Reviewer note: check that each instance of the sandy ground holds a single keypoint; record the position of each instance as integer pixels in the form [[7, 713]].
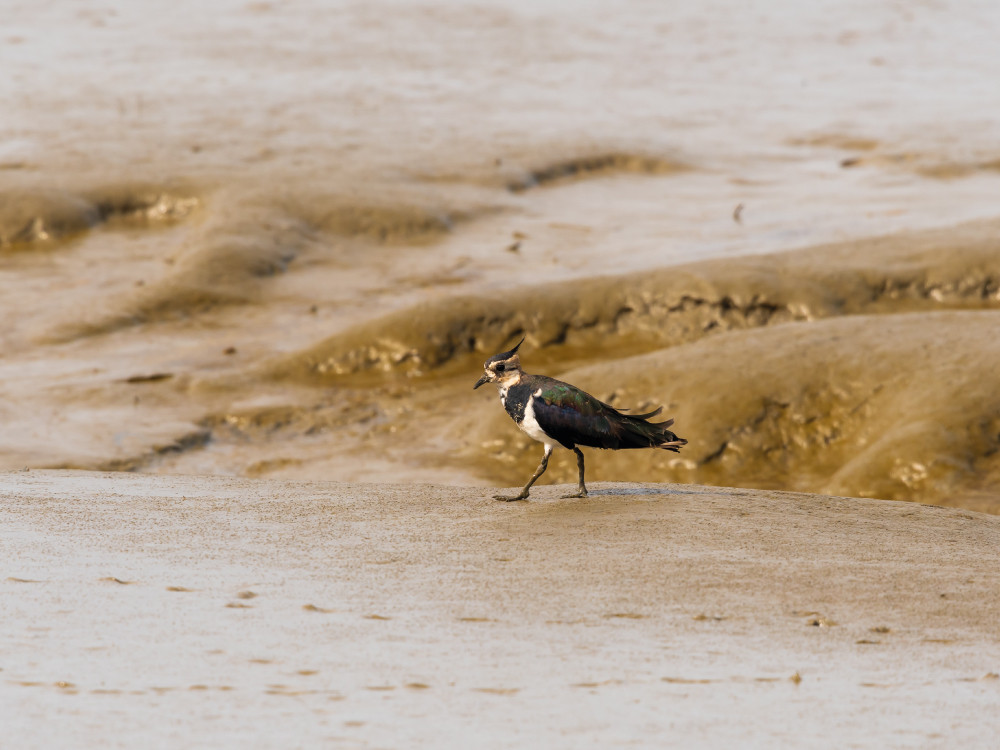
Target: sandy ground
[[276, 240], [155, 611]]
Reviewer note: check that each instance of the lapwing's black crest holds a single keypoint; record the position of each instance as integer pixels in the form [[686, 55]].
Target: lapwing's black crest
[[551, 412]]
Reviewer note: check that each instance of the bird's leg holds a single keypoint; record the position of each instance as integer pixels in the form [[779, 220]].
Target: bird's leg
[[523, 495], [582, 491]]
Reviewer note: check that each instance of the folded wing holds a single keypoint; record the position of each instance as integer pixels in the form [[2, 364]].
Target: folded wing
[[574, 417]]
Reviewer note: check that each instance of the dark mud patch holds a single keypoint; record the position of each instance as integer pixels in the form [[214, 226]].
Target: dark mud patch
[[27, 220], [140, 206], [925, 166], [405, 225], [909, 160], [192, 441], [390, 225], [44, 218], [538, 167], [277, 426], [954, 170], [226, 262], [228, 259], [388, 217], [621, 316], [903, 407], [597, 165], [296, 420], [155, 377], [840, 141], [869, 153]]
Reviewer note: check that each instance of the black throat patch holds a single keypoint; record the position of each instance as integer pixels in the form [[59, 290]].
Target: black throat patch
[[516, 400]]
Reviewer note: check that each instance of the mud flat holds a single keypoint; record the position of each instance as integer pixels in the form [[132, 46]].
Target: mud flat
[[278, 240], [864, 367], [219, 611]]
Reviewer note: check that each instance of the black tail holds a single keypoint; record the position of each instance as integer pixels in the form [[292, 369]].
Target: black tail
[[635, 432]]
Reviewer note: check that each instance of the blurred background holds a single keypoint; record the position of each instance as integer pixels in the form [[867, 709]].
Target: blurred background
[[280, 238]]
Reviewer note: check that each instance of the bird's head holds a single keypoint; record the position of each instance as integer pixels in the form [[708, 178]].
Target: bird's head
[[501, 368]]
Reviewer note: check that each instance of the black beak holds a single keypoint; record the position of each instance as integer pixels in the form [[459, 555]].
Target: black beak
[[479, 382]]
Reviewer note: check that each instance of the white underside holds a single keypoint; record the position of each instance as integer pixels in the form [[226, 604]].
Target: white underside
[[529, 425]]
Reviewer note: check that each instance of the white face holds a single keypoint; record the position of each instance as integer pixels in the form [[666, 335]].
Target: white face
[[505, 372]]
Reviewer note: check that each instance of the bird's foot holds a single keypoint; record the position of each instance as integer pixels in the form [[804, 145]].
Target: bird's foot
[[511, 498], [582, 492]]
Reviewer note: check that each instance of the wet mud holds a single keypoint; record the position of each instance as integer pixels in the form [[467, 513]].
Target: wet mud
[[862, 368], [205, 269], [34, 220], [952, 269], [598, 165]]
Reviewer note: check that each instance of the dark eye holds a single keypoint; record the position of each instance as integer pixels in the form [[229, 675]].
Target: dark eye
[[500, 368]]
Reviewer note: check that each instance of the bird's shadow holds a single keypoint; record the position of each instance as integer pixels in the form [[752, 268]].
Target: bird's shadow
[[612, 491]]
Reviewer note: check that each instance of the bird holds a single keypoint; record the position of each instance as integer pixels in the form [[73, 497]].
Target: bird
[[553, 412]]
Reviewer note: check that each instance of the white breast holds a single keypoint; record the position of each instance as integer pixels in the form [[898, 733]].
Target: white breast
[[529, 425]]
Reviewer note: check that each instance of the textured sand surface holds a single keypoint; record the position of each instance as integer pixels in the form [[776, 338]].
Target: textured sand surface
[[274, 241], [208, 611]]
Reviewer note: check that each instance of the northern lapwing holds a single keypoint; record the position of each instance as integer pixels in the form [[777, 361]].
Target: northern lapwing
[[550, 411]]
